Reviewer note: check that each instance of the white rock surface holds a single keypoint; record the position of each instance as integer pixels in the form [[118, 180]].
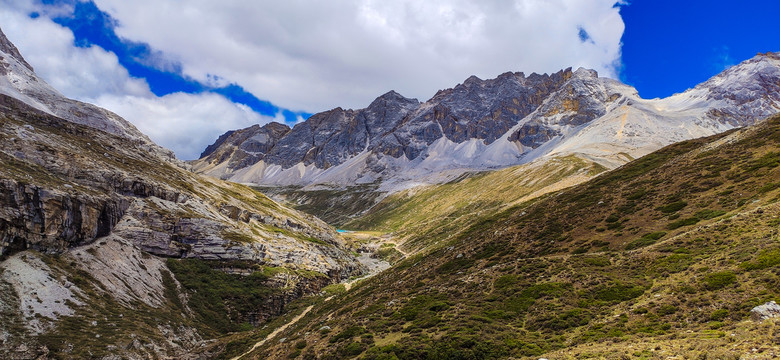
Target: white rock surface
[[767, 311], [42, 293]]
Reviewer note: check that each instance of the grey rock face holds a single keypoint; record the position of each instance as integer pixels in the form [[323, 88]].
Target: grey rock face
[[747, 92], [9, 48], [245, 147], [51, 221], [396, 126], [767, 311], [509, 120], [579, 101]]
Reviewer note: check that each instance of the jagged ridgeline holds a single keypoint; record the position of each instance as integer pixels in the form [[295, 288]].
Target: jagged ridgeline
[[484, 124], [111, 247], [664, 256]]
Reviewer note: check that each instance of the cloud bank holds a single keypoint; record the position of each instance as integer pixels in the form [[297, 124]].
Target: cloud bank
[[315, 55], [309, 55]]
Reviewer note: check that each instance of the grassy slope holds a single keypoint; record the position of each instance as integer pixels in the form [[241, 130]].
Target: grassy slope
[[421, 217], [555, 277], [336, 206]]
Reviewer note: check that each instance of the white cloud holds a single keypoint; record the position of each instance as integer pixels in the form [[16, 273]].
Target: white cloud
[[316, 55], [184, 123], [81, 73]]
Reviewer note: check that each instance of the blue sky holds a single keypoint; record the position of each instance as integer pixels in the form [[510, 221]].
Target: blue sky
[[185, 72], [91, 26], [670, 46]]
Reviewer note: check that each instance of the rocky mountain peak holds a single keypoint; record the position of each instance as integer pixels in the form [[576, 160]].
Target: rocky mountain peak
[[508, 120], [7, 47], [472, 80], [392, 97], [586, 73]]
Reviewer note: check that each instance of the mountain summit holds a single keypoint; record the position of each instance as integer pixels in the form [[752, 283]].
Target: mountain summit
[[483, 124], [19, 81]]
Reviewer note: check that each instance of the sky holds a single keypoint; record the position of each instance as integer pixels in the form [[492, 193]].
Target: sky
[[186, 72]]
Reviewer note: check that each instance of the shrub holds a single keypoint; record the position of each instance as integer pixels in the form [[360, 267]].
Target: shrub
[[353, 349], [505, 281], [766, 259], [597, 261], [719, 280], [667, 309], [348, 333], [684, 222], [619, 292], [719, 314], [673, 207], [709, 214], [579, 250], [645, 240], [636, 195]]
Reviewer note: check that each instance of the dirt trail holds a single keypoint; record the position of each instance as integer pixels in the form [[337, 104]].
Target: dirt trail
[[275, 332], [347, 285]]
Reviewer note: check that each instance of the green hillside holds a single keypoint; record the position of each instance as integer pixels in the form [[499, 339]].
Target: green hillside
[[421, 217], [664, 256]]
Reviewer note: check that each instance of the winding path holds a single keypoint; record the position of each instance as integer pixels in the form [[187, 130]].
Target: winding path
[[275, 332], [347, 286]]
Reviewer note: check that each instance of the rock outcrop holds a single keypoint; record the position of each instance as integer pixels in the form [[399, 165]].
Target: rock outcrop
[[767, 311]]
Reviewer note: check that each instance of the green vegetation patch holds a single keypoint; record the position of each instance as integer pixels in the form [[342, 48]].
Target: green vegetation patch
[[673, 207], [619, 292], [719, 280], [705, 214], [769, 160], [236, 236], [220, 299], [765, 260], [645, 240], [709, 214]]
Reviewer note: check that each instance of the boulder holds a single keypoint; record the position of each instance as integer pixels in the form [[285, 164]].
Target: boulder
[[766, 311]]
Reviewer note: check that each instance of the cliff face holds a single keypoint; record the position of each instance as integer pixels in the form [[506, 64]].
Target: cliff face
[[65, 185]]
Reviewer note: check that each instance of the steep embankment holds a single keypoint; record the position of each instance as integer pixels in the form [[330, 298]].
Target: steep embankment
[[664, 256]]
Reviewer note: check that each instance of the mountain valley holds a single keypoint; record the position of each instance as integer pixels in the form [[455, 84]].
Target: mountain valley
[[554, 216]]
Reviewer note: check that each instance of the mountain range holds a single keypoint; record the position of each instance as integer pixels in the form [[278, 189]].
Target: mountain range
[[398, 142]]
